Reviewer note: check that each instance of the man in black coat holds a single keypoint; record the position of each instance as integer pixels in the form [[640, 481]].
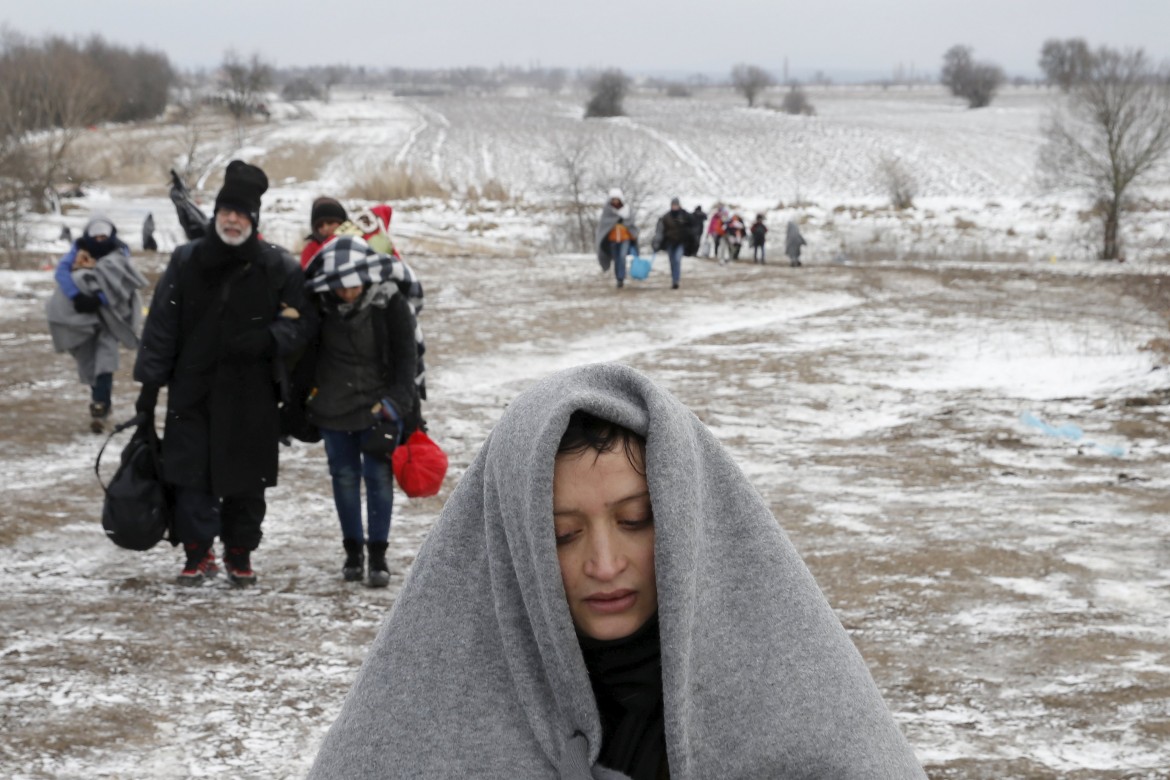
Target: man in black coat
[[227, 309], [675, 233]]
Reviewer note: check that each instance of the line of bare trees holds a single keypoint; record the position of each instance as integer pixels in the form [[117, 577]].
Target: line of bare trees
[[51, 90]]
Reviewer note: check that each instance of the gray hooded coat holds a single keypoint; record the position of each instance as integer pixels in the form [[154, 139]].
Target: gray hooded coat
[[478, 672], [610, 217]]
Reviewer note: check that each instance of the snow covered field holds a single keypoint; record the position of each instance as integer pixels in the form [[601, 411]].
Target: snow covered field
[[1007, 581]]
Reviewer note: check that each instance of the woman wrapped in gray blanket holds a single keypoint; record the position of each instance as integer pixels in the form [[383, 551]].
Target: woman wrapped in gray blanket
[[95, 308], [605, 595]]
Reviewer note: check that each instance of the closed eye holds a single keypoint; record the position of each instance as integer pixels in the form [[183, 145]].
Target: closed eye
[[638, 524]]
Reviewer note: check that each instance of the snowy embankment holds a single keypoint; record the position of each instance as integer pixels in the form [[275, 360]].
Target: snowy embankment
[[975, 171], [1008, 587], [909, 419]]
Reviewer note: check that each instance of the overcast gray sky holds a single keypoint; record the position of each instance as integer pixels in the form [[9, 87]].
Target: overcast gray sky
[[842, 37]]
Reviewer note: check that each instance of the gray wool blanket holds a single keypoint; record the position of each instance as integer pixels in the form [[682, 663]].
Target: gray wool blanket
[[477, 671], [609, 218], [117, 278]]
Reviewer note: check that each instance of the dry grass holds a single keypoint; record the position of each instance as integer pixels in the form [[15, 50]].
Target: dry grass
[[394, 183], [297, 161], [493, 190]]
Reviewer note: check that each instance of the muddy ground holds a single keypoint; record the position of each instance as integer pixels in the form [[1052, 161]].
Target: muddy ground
[[1010, 590]]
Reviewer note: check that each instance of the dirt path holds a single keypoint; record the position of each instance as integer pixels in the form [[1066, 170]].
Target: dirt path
[[1010, 590]]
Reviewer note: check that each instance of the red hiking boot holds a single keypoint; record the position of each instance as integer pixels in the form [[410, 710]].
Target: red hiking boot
[[200, 565], [238, 562]]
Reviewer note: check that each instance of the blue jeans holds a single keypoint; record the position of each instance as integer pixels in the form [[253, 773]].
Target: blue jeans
[[618, 251], [348, 466], [102, 389], [675, 253]]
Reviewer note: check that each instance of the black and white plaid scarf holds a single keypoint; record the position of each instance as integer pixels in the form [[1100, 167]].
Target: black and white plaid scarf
[[348, 261]]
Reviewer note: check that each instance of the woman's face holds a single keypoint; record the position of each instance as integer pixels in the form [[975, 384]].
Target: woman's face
[[605, 542], [349, 294]]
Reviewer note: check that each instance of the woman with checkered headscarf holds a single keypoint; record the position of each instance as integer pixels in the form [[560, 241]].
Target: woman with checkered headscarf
[[364, 399]]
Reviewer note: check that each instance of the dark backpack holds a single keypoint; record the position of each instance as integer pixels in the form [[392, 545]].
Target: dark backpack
[[139, 507]]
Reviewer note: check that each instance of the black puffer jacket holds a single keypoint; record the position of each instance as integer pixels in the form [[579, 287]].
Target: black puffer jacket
[[222, 425]]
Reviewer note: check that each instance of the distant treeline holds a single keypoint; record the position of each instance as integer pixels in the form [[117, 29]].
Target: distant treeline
[[97, 80]]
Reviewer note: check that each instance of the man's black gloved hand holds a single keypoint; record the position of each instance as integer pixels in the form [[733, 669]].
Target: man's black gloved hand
[[147, 399], [250, 345], [86, 303]]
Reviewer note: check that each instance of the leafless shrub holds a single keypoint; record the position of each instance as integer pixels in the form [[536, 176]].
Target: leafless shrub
[[608, 91], [392, 182], [493, 190], [796, 102], [677, 90], [1111, 134], [750, 81], [571, 156], [192, 130], [619, 164], [899, 183], [243, 84], [975, 82], [12, 232]]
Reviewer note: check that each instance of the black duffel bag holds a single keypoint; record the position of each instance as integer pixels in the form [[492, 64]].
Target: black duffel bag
[[139, 507]]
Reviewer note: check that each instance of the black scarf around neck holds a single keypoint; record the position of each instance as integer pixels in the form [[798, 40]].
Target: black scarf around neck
[[219, 259], [626, 675]]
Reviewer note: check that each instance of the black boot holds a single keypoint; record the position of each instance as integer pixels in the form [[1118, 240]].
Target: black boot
[[355, 560], [379, 571], [238, 562], [98, 412], [200, 564]]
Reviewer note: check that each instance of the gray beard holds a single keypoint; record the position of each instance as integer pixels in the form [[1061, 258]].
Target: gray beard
[[237, 241]]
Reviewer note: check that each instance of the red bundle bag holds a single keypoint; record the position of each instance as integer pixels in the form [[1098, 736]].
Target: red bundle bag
[[419, 465]]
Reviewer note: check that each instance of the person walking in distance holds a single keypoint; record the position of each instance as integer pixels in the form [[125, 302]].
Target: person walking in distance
[[616, 233], [676, 235], [716, 228], [793, 241], [759, 233], [228, 307], [95, 308]]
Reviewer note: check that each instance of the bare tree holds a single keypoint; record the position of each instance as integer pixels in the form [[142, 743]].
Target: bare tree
[[193, 133], [975, 82], [243, 83], [1065, 63], [1112, 131], [608, 91], [898, 181], [629, 167], [750, 81], [571, 156]]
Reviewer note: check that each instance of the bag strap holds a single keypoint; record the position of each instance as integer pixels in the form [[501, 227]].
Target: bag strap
[[137, 419]]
